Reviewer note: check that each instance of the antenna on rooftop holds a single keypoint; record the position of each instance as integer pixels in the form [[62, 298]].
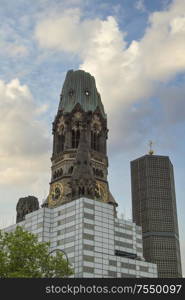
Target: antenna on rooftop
[[151, 151]]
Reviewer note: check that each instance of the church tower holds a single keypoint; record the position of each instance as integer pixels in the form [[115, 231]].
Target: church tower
[[79, 158]]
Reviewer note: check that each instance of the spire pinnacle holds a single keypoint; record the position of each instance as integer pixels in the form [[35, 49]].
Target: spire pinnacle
[[83, 180], [151, 151]]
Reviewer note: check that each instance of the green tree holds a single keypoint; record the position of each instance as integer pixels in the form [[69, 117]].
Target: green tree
[[21, 255]]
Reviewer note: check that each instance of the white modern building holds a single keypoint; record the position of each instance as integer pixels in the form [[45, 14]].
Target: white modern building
[[97, 244]]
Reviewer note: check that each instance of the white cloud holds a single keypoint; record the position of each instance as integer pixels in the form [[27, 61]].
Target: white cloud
[[13, 49], [140, 5], [125, 74], [42, 109], [163, 45], [100, 43], [11, 42], [16, 50], [178, 25], [66, 31], [24, 139], [173, 104]]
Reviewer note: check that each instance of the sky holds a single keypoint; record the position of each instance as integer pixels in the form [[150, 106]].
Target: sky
[[134, 49]]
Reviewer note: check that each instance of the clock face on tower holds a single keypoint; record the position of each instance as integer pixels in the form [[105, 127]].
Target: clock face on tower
[[56, 193]]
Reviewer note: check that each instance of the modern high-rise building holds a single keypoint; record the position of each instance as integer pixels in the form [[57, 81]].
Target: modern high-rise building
[[79, 215], [154, 208]]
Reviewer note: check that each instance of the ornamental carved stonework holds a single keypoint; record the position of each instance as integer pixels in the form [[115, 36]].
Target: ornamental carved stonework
[[61, 126], [96, 124], [77, 121]]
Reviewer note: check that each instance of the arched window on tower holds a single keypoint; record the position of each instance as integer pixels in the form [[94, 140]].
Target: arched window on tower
[[61, 142], [70, 171], [81, 191], [75, 138], [95, 141]]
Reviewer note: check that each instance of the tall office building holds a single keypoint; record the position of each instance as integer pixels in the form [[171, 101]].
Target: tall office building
[[154, 208], [79, 215]]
